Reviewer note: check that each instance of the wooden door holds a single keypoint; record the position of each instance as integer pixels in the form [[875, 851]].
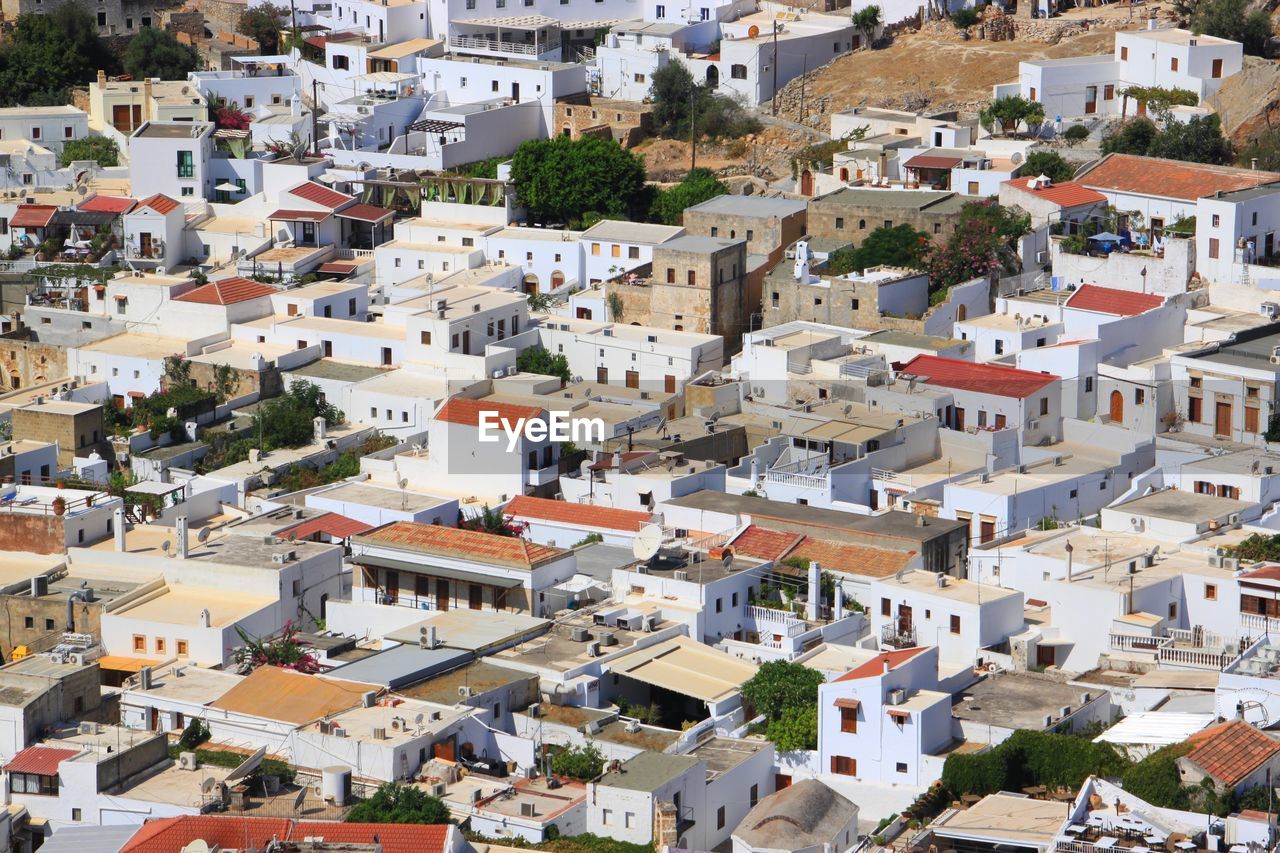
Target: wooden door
[[144, 242], [393, 586], [442, 594], [466, 342], [669, 384], [421, 589], [1045, 656], [444, 749], [476, 600], [633, 379], [987, 530], [904, 619], [1222, 419], [959, 419], [1117, 407], [602, 375]]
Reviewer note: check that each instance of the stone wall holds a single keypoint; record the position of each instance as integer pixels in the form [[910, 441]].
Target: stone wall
[[37, 534], [25, 362]]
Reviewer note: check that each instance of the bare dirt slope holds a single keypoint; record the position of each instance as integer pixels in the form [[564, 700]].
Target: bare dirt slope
[[1249, 102]]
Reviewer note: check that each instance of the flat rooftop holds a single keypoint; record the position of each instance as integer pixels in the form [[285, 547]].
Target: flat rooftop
[[1181, 505], [338, 371], [955, 589], [1017, 701], [183, 605], [1005, 819], [381, 497], [723, 754], [188, 684], [481, 676]]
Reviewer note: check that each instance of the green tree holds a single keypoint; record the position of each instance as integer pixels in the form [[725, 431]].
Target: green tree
[[1157, 99], [263, 24], [899, 246], [779, 685], [984, 232], [561, 180], [157, 53], [698, 186], [45, 55], [1256, 548], [1197, 140], [1048, 163], [537, 359], [97, 148], [1008, 112], [582, 762], [396, 803], [1237, 20], [676, 99], [795, 728], [1076, 134], [1130, 137], [866, 20]]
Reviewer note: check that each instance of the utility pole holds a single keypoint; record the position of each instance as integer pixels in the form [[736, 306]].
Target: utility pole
[[693, 127], [802, 75], [775, 68], [315, 117]]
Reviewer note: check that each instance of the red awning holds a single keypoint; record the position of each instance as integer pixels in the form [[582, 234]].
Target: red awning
[[365, 213], [926, 161], [337, 268], [286, 215], [848, 704], [33, 215], [899, 714], [42, 760]]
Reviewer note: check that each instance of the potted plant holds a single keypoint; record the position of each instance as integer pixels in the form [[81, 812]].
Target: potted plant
[[61, 482], [59, 505]]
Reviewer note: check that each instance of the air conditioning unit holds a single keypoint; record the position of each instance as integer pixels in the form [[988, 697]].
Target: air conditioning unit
[[437, 789], [527, 810], [535, 710], [680, 575], [578, 635], [897, 696], [608, 639], [188, 761], [339, 731], [379, 733], [88, 728]]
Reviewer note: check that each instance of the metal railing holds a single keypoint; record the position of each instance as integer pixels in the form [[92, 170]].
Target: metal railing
[[496, 46], [898, 636]]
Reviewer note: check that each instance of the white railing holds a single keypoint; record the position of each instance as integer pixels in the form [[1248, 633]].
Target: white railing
[[803, 481], [1256, 622], [1135, 643], [886, 476], [352, 254], [788, 625], [496, 46], [1197, 658], [858, 371]]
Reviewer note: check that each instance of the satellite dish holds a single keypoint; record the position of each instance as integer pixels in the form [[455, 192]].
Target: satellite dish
[[647, 542], [81, 190], [207, 785], [727, 559], [299, 799], [404, 482], [417, 721], [164, 546], [293, 535], [1015, 158], [753, 32], [247, 766], [203, 535]]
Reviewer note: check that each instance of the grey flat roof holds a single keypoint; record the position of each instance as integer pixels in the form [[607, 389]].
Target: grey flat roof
[[700, 245], [176, 130], [648, 771], [599, 560], [1181, 505], [893, 523], [480, 675], [327, 368], [751, 205], [89, 839], [894, 337], [401, 665], [1017, 700]]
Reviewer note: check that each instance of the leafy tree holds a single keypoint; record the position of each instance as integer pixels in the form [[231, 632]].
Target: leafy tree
[[796, 728], [1237, 20], [1256, 548], [45, 55], [582, 762], [865, 21], [1048, 163], [899, 246], [177, 373], [1259, 798], [1076, 134], [157, 53], [676, 99], [1010, 111], [1131, 137], [698, 186], [396, 803], [779, 685], [536, 359], [1197, 140], [973, 250], [560, 180], [1157, 99], [964, 18], [1265, 149], [1032, 758], [97, 148], [263, 24], [194, 734]]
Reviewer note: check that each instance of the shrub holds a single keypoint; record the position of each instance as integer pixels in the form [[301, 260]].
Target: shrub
[[964, 18], [1075, 134], [582, 762]]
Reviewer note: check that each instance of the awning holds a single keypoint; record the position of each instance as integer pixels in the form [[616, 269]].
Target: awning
[[684, 666], [899, 714], [926, 161], [848, 704], [286, 215], [337, 268], [438, 572], [32, 215], [119, 663], [431, 125], [41, 760], [365, 213]]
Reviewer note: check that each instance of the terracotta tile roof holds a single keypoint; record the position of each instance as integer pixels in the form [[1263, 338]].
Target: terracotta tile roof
[[228, 291], [43, 760], [365, 212], [1065, 194], [108, 204], [863, 560], [463, 410], [763, 544], [1231, 751], [320, 194], [33, 215], [159, 202], [875, 666], [1108, 300], [471, 545], [1154, 176], [280, 694], [968, 376], [231, 832], [286, 214], [1267, 572], [330, 523], [526, 506]]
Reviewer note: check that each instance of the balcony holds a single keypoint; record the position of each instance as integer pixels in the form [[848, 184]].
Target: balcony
[[496, 47], [897, 636]]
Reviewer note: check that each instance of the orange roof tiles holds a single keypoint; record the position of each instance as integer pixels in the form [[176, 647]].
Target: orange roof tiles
[[286, 214], [1265, 572], [763, 544], [108, 204], [159, 202], [984, 378], [1231, 751], [1162, 178], [1108, 300], [329, 523], [321, 195], [527, 506], [876, 665], [280, 694], [462, 410], [33, 215], [42, 760], [863, 560], [228, 291], [365, 212], [232, 832], [1065, 194], [472, 545]]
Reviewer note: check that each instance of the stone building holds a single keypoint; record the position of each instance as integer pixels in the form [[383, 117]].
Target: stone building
[[696, 284], [849, 215], [768, 225], [76, 427], [627, 122], [25, 362], [114, 17], [857, 301]]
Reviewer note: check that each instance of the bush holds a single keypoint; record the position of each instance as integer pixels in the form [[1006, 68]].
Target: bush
[[1031, 758], [582, 762], [100, 149], [395, 803], [1075, 134], [1156, 778], [964, 18], [1047, 163], [536, 359]]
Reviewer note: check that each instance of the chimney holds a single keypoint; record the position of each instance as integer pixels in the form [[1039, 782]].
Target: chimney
[[180, 533], [119, 523], [838, 604], [886, 664], [319, 429], [755, 470], [815, 590], [102, 78], [204, 618], [146, 99]]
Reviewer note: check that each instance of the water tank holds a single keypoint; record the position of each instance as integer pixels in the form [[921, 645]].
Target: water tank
[[335, 784]]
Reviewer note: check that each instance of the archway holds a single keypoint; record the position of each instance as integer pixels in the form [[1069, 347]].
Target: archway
[[713, 76], [806, 183], [1116, 412], [961, 313], [557, 280], [531, 285]]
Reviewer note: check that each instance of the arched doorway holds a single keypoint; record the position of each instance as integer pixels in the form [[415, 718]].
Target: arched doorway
[[806, 183], [1116, 412], [961, 313], [713, 76], [531, 285], [557, 280], [844, 174]]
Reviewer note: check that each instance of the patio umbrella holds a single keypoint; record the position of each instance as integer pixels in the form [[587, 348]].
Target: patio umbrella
[[227, 187], [1106, 237]]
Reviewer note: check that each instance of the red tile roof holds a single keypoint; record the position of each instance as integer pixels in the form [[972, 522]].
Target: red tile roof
[[108, 204], [159, 202], [329, 523], [933, 161], [968, 376], [463, 410], [1065, 194], [320, 194], [231, 832], [762, 544], [1161, 178], [228, 291], [286, 214], [1108, 300], [865, 560], [471, 545], [875, 666], [526, 506], [365, 212], [43, 760], [1267, 572], [33, 215], [1231, 751]]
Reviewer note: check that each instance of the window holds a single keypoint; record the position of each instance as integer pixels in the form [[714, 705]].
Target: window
[[839, 223], [159, 645], [1197, 382], [755, 795], [1088, 384], [595, 249], [738, 71], [1173, 64], [660, 11], [849, 720], [182, 648], [48, 624], [1139, 396], [75, 815], [606, 817], [691, 278], [340, 62], [1044, 405], [615, 251], [1217, 220], [139, 643], [186, 164], [1213, 246], [29, 622], [719, 811], [639, 78], [633, 252], [1108, 92], [1173, 610], [425, 338], [999, 347], [1193, 409], [1124, 54], [1217, 69], [886, 608], [1250, 418], [955, 624], [351, 307], [843, 765], [33, 783], [1211, 592]]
